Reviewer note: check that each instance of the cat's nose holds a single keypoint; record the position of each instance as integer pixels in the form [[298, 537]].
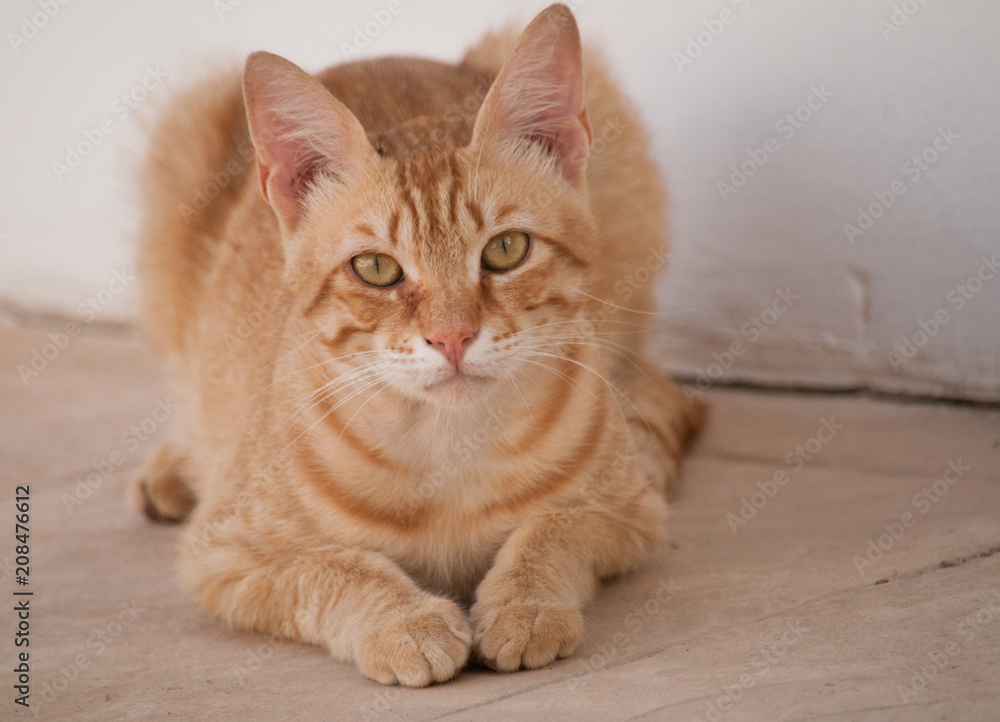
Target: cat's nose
[[452, 342]]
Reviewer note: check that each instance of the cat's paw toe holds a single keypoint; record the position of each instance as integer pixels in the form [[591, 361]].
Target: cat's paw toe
[[525, 634], [428, 644]]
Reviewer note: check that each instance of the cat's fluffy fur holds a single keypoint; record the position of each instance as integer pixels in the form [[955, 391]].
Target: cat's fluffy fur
[[360, 461]]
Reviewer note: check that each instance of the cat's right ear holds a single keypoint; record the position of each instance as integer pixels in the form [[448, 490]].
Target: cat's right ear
[[299, 130]]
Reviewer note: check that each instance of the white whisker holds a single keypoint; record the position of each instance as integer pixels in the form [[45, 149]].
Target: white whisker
[[624, 308]]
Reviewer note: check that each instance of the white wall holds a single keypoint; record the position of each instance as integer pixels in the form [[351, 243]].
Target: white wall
[[884, 99], [893, 92]]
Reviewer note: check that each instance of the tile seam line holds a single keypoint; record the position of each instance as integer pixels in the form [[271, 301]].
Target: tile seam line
[[801, 605]]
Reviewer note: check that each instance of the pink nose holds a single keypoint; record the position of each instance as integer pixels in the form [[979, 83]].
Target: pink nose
[[452, 343]]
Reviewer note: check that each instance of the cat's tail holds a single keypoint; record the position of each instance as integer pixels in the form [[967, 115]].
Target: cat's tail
[[199, 158]]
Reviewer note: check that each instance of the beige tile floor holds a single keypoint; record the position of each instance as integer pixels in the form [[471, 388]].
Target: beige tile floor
[[775, 618]]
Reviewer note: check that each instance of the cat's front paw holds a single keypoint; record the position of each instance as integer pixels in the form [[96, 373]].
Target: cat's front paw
[[426, 643], [527, 634]]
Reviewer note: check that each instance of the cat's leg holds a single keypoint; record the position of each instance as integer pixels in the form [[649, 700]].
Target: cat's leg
[[160, 490], [662, 420], [668, 421], [357, 604], [528, 606]]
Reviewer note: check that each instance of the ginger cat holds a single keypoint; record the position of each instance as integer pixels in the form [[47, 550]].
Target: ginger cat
[[418, 420]]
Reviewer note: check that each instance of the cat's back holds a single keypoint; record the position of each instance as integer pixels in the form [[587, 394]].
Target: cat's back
[[410, 105]]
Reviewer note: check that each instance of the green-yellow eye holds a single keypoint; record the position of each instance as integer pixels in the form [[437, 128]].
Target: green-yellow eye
[[505, 251], [377, 269]]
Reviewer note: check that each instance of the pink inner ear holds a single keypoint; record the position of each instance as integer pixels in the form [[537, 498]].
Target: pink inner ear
[[299, 130], [566, 136], [287, 156], [538, 95], [289, 160]]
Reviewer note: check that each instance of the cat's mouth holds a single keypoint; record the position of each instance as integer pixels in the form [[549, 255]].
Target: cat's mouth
[[457, 381]]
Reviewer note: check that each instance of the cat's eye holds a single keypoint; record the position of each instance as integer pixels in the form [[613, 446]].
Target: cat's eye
[[505, 251], [377, 269]]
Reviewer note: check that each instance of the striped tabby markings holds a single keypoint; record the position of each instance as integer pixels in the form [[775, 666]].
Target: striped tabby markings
[[476, 213], [563, 250], [454, 187], [365, 230], [331, 419], [393, 227], [421, 176], [543, 425], [555, 480], [321, 296], [320, 478], [336, 344], [417, 517], [404, 191], [503, 213]]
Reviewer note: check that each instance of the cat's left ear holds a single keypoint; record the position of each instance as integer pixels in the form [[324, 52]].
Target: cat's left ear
[[539, 96], [299, 130]]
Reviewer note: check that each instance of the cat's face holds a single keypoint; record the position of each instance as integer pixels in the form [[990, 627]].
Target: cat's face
[[443, 269], [443, 279]]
